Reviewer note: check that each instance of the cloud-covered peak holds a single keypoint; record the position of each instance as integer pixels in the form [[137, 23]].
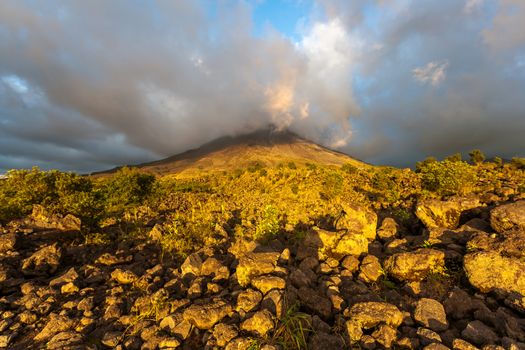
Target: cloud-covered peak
[[89, 85]]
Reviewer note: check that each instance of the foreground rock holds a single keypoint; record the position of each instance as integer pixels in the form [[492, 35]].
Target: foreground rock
[[489, 271], [416, 265], [43, 262], [358, 220], [508, 217], [446, 214], [207, 315]]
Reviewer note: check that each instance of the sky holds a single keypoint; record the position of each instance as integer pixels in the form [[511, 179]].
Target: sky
[[88, 85]]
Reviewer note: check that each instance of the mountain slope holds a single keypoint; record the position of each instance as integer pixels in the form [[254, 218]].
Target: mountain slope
[[265, 147]]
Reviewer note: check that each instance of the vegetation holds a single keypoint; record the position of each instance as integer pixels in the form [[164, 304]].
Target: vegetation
[[259, 201]]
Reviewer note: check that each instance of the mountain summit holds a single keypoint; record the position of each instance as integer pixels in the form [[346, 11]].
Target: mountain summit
[[267, 147]]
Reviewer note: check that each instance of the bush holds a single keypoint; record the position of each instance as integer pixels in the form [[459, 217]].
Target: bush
[[476, 156], [454, 157], [518, 163], [59, 192], [447, 178], [268, 226], [128, 187]]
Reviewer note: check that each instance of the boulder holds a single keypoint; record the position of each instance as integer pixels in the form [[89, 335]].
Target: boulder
[[259, 323], [436, 213], [388, 229], [508, 217], [70, 276], [248, 299], [43, 262], [509, 243], [223, 333], [489, 271], [123, 276], [41, 217], [370, 314], [357, 219], [315, 302], [416, 265], [267, 283], [255, 264], [431, 314], [205, 316], [479, 333], [352, 243], [8, 242], [370, 269], [192, 265], [55, 325]]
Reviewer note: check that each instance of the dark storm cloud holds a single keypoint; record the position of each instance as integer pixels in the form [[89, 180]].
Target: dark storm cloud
[[85, 85]]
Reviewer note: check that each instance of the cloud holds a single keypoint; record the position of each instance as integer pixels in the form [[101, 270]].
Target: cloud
[[86, 85], [433, 73], [472, 5]]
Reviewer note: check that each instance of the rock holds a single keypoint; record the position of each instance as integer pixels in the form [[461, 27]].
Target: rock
[[371, 269], [108, 259], [69, 288], [55, 324], [353, 330], [299, 278], [111, 339], [70, 276], [351, 263], [124, 276], [388, 229], [508, 217], [431, 314], [248, 299], [489, 271], [446, 214], [510, 243], [325, 341], [276, 302], [428, 336], [177, 325], [65, 340], [478, 333], [338, 244], [43, 262], [205, 316], [214, 268], [260, 323], [385, 335], [459, 304], [460, 344], [5, 340], [358, 220], [436, 346], [416, 265], [370, 314], [42, 218], [223, 333], [192, 265], [255, 264], [8, 242], [267, 283], [240, 343], [352, 243], [315, 302]]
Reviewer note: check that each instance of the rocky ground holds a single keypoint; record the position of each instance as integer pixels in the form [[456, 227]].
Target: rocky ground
[[456, 282]]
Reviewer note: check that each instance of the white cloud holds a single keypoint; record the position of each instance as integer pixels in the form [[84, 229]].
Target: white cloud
[[433, 73], [472, 5]]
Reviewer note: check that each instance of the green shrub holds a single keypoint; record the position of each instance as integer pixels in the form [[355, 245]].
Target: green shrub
[[268, 226], [518, 163], [60, 192], [454, 157], [127, 188], [447, 178], [476, 156]]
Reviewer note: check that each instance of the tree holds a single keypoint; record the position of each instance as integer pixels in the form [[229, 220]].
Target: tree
[[476, 156]]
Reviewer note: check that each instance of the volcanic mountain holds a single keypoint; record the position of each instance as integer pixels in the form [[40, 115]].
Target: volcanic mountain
[[267, 147]]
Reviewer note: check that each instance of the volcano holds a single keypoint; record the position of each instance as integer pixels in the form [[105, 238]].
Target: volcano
[[267, 147]]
